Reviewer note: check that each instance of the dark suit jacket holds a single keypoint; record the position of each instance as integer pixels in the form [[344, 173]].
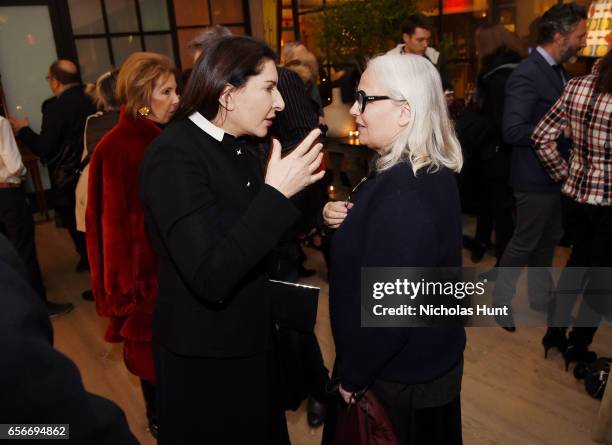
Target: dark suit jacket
[[531, 91], [63, 122], [38, 384], [211, 220]]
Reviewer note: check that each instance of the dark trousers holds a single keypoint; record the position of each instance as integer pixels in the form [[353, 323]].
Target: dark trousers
[[495, 212], [150, 399], [18, 226], [590, 232], [65, 203], [537, 233]]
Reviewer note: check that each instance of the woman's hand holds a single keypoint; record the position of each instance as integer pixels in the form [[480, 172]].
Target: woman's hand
[[334, 213], [345, 395], [294, 172]]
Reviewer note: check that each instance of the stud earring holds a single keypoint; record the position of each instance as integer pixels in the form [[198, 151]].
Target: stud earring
[[144, 111]]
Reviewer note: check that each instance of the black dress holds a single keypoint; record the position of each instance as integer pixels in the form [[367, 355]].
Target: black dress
[[212, 220]]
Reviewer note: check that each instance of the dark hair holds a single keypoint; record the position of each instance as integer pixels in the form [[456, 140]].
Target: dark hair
[[604, 80], [415, 21], [560, 19], [63, 77], [227, 60]]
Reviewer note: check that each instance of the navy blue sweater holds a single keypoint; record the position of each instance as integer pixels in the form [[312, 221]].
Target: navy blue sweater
[[398, 220]]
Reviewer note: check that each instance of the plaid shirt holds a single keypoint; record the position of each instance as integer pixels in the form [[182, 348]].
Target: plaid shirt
[[588, 175]]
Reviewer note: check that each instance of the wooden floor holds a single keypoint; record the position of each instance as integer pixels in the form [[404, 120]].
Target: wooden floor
[[511, 395]]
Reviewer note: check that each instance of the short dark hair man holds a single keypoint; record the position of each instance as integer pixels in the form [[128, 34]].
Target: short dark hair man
[[532, 89], [60, 142], [416, 35]]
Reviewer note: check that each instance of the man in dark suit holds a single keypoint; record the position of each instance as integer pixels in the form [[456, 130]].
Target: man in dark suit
[[39, 384], [60, 142], [532, 89]]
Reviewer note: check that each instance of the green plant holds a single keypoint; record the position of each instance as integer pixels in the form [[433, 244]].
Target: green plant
[[352, 31]]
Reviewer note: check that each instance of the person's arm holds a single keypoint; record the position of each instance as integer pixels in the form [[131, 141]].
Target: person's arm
[[521, 98], [46, 144], [398, 234], [9, 152], [545, 137], [39, 384], [213, 260], [299, 117]]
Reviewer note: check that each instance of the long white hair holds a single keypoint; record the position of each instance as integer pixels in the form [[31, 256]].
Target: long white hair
[[429, 139]]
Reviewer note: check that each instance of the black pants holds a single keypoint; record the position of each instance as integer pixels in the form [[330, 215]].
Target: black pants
[[150, 399], [590, 232], [495, 212], [18, 226]]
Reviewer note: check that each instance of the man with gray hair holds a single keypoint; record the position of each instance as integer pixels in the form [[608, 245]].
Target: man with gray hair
[[532, 89], [197, 45]]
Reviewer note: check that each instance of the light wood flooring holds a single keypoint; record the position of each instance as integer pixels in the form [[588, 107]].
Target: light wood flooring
[[511, 395]]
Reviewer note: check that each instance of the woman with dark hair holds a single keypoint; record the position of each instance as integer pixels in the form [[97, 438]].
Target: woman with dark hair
[[585, 111], [123, 264], [499, 52], [212, 219]]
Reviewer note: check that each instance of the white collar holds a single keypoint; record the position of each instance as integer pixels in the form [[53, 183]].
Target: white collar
[[207, 126]]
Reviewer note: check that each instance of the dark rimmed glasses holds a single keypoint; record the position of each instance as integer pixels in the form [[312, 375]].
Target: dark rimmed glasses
[[362, 99]]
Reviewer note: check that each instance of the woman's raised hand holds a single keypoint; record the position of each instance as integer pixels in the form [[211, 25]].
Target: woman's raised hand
[[296, 171]]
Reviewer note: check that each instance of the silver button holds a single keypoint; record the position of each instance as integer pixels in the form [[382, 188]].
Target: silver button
[[248, 183], [239, 151]]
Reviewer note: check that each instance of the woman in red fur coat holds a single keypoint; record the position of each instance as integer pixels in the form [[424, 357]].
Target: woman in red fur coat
[[123, 264]]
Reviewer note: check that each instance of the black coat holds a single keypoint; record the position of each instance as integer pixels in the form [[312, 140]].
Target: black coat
[[38, 384], [531, 91], [398, 220], [63, 122], [212, 221]]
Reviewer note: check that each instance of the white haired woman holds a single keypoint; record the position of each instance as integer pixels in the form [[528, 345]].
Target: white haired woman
[[406, 214]]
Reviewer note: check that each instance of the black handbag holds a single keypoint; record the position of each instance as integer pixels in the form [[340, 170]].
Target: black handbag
[[66, 166]]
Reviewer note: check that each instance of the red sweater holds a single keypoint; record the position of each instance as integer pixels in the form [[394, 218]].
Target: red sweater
[[123, 264]]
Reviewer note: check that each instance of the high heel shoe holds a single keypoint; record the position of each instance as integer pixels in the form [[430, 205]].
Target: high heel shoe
[[554, 338], [575, 353]]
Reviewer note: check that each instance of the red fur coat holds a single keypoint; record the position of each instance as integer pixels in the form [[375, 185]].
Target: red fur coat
[[123, 264]]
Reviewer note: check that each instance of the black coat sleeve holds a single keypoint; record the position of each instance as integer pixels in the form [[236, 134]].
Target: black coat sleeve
[[38, 383], [46, 144], [521, 98], [211, 255]]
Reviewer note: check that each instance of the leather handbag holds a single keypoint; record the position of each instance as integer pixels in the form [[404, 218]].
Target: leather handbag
[[364, 422]]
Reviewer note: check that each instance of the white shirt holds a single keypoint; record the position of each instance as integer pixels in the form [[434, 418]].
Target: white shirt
[[11, 166], [207, 126]]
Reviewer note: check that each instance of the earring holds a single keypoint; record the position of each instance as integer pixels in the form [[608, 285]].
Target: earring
[[144, 111]]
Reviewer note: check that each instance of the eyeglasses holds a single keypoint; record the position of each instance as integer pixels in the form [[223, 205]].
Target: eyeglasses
[[348, 198], [362, 99]]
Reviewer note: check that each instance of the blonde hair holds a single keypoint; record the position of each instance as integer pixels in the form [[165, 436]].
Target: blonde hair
[[490, 38], [429, 139], [137, 77]]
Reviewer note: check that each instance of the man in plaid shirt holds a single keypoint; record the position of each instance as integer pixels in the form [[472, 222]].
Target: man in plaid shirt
[[585, 111]]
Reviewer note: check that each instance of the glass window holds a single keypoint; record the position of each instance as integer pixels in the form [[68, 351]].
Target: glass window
[[124, 46], [121, 15], [86, 16], [191, 12], [227, 11], [160, 43], [93, 58], [154, 14]]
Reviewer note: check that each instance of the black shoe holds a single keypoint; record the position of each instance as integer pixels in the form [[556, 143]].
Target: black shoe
[[305, 273], [153, 427], [87, 295], [575, 353], [478, 252], [82, 265], [489, 275], [317, 412], [554, 338], [57, 309], [506, 321]]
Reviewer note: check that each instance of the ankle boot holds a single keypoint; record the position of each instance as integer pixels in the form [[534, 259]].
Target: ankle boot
[[554, 338]]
